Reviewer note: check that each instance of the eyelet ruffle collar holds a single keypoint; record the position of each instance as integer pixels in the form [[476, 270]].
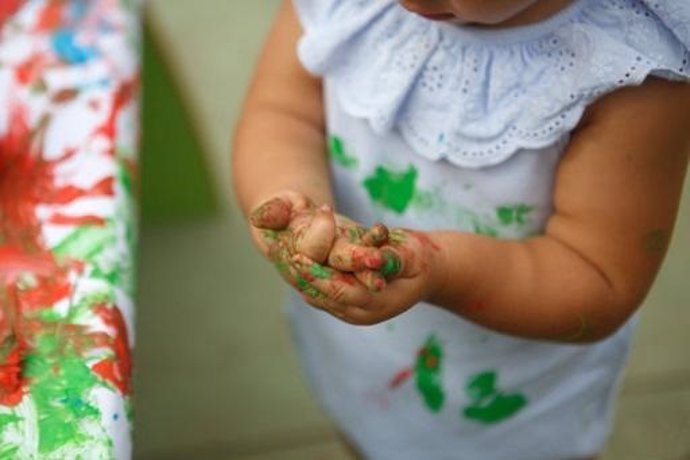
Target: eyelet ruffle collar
[[475, 96]]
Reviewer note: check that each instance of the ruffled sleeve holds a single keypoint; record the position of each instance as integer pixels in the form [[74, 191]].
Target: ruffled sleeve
[[476, 96]]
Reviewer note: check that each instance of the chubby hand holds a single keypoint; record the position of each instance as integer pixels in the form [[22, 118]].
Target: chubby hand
[[290, 224], [412, 268]]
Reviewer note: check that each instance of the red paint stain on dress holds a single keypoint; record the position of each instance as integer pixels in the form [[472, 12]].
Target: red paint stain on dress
[[116, 370], [400, 378]]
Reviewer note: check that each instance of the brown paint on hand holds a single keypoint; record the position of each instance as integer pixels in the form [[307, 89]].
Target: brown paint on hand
[[272, 215], [376, 236]]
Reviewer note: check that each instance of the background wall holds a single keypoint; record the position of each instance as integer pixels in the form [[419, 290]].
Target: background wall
[[216, 375]]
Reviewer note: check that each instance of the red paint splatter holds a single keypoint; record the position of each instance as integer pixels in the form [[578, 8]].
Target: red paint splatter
[[62, 219], [28, 180], [117, 371], [51, 15], [124, 94], [11, 381], [400, 378], [8, 8], [32, 69], [65, 195]]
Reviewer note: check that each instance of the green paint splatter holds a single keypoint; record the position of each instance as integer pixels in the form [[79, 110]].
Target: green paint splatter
[[9, 452], [337, 152], [391, 264], [425, 200], [8, 419], [484, 229], [514, 214], [393, 190], [320, 272], [86, 242], [60, 384], [489, 405], [428, 374], [306, 288]]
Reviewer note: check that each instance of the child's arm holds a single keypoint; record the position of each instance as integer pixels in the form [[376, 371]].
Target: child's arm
[[280, 152], [616, 197], [279, 141]]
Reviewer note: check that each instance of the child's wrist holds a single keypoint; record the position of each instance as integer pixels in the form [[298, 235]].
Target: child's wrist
[[437, 261]]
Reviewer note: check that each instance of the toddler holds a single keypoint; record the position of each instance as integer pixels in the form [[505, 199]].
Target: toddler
[[525, 160]]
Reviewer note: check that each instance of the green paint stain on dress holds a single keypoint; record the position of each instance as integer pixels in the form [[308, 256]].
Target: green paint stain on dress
[[490, 405], [428, 374], [514, 214], [337, 152], [393, 190], [60, 384]]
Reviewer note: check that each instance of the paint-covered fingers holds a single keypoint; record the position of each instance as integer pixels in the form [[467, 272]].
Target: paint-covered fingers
[[351, 257], [336, 287], [376, 236]]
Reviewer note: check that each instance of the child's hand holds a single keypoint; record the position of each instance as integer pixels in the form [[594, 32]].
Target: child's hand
[[290, 225], [411, 266]]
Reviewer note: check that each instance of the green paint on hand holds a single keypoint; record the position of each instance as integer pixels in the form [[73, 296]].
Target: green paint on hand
[[306, 288], [514, 214], [489, 405], [393, 190], [338, 154], [391, 264], [320, 272], [428, 374]]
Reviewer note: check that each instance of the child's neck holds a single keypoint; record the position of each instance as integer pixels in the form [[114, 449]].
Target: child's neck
[[537, 12]]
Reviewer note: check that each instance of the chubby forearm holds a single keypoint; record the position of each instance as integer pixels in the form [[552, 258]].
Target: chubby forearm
[[275, 151], [538, 288], [279, 140]]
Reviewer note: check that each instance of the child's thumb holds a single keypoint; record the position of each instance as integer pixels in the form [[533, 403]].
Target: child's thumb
[[274, 214]]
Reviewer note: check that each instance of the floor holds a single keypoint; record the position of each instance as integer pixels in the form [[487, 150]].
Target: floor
[[216, 375]]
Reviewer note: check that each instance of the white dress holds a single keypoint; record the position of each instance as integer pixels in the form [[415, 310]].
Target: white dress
[[438, 126]]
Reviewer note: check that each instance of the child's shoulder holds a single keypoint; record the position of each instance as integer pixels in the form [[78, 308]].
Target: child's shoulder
[[475, 96]]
